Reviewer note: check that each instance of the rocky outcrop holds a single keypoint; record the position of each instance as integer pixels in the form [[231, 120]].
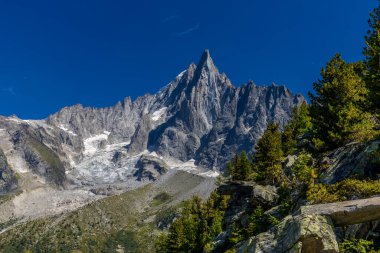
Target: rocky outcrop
[[8, 180], [41, 159], [150, 168], [313, 229], [295, 234], [353, 159], [348, 212], [257, 194]]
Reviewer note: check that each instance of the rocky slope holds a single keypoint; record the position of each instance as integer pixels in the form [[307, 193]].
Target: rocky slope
[[307, 227]]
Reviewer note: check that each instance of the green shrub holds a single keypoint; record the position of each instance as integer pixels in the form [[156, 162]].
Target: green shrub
[[341, 191], [356, 246]]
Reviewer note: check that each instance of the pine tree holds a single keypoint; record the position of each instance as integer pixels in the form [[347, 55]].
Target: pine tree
[[372, 60], [269, 154], [240, 167], [336, 108], [245, 166], [298, 125]]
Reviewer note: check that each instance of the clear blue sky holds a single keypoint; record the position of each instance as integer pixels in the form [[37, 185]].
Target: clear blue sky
[[63, 52]]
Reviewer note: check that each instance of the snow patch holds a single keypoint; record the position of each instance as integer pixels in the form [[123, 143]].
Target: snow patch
[[180, 75], [62, 127], [158, 114], [210, 174], [91, 144]]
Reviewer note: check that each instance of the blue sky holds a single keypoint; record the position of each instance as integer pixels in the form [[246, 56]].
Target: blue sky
[[59, 53]]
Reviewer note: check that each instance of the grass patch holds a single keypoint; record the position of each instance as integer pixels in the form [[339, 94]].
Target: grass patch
[[161, 198]]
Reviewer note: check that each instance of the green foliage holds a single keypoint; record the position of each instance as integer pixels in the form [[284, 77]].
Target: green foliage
[[161, 198], [198, 224], [341, 191], [302, 174], [298, 125], [257, 222], [125, 240], [237, 235], [357, 246], [372, 59], [303, 171], [268, 156], [240, 167], [336, 109]]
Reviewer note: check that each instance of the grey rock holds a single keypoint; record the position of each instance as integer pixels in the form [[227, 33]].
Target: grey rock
[[302, 233], [150, 168], [8, 180], [41, 159], [348, 212], [353, 159]]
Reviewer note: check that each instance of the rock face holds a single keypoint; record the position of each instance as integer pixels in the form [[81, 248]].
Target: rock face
[[199, 116], [302, 233], [150, 168], [348, 212], [358, 158], [7, 177], [312, 230], [258, 194]]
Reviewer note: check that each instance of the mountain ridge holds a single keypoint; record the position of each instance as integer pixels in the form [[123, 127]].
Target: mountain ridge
[[199, 118]]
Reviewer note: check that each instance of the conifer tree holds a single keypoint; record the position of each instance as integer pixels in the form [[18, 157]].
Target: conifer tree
[[298, 125], [336, 109], [372, 60], [245, 166], [267, 160], [240, 167]]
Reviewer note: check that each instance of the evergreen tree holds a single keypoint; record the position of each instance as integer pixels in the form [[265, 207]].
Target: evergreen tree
[[240, 167], [269, 154], [336, 109], [298, 125], [372, 60], [194, 229], [245, 166]]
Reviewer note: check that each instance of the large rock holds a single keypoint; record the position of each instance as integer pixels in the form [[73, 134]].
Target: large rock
[[302, 233], [348, 212], [258, 194], [352, 159]]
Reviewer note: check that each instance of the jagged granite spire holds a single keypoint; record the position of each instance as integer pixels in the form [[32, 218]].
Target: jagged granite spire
[[206, 63]]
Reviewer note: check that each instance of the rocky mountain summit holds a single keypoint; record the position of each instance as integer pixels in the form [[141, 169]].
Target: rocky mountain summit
[[199, 120]]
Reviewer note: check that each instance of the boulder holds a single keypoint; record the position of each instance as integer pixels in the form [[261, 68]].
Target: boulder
[[264, 195], [302, 233]]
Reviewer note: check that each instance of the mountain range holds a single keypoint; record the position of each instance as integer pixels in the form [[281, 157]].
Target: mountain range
[[194, 124]]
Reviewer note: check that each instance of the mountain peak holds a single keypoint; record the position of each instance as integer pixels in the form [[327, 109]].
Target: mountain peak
[[206, 61]]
